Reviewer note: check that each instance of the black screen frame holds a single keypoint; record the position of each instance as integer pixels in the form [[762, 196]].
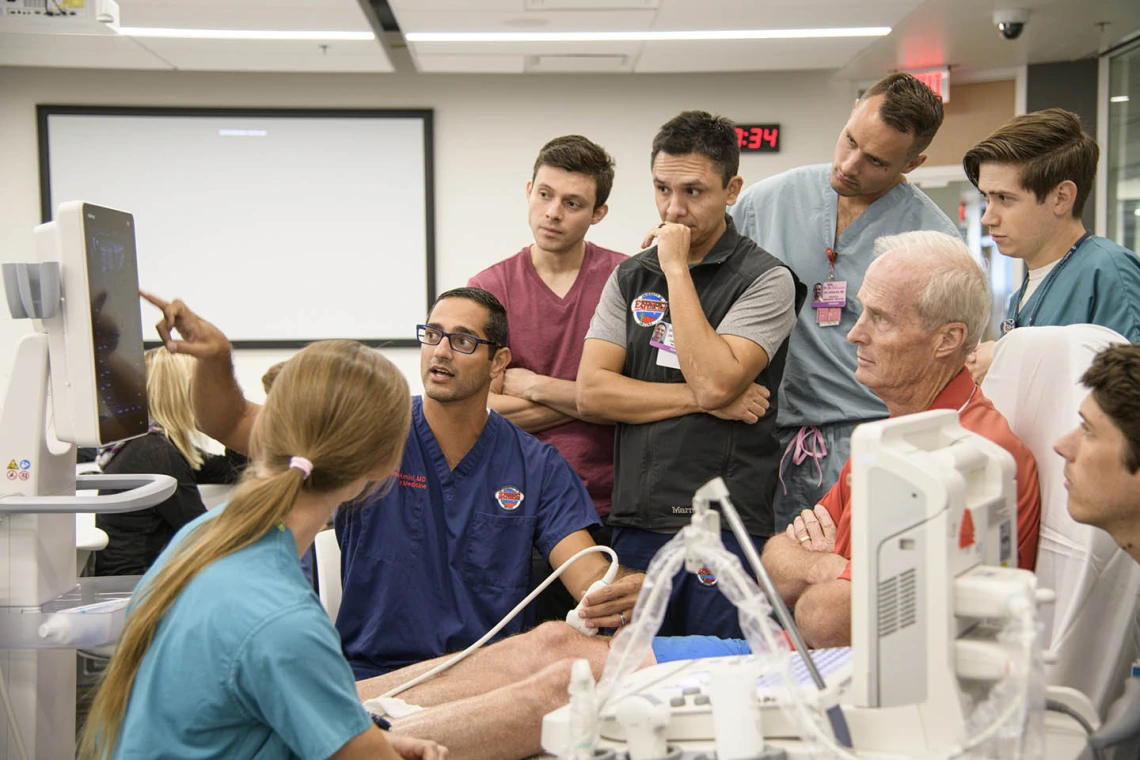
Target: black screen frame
[[426, 115], [102, 294]]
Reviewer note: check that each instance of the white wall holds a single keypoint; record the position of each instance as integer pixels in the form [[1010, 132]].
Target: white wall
[[488, 130]]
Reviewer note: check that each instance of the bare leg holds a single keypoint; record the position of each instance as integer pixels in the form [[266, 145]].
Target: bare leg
[[371, 688], [505, 724], [501, 664]]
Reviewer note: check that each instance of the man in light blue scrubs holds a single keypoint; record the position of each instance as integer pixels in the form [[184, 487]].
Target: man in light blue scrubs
[[823, 221], [1036, 172]]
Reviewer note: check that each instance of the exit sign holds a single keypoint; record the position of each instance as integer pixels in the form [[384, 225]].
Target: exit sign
[[937, 80]]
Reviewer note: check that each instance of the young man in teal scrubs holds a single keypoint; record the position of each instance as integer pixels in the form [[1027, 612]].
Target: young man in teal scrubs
[[1036, 172]]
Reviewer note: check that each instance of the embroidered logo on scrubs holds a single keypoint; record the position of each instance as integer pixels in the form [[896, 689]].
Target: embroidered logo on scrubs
[[509, 498], [649, 309], [706, 577]]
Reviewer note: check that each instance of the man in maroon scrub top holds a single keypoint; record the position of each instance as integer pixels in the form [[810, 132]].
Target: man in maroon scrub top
[[550, 290]]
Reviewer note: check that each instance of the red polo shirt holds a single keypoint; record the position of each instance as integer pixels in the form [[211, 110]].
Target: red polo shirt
[[978, 416]]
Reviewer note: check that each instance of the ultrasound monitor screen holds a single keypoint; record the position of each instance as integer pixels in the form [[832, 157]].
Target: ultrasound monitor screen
[[113, 280]]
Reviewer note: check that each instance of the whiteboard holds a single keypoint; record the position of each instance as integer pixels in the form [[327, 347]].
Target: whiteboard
[[279, 226]]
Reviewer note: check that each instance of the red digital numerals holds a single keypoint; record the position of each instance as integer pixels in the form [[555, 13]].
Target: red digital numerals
[[758, 138]]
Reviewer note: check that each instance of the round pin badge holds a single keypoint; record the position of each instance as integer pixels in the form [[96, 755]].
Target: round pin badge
[[649, 309], [509, 498], [706, 577]]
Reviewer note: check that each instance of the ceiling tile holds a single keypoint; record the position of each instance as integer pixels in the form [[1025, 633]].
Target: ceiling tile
[[747, 55], [74, 51], [578, 64], [562, 21], [284, 16], [400, 7], [781, 14], [275, 55], [475, 64], [601, 5]]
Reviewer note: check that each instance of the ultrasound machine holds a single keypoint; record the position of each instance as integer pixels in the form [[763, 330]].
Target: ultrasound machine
[[944, 661], [77, 380]]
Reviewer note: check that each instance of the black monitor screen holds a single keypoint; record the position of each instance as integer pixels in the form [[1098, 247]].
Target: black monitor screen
[[116, 323]]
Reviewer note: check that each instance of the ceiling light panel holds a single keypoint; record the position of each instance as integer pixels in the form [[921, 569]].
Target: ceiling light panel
[[243, 34], [647, 36]]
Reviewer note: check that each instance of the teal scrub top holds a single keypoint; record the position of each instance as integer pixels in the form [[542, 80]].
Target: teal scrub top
[[1098, 284], [245, 664]]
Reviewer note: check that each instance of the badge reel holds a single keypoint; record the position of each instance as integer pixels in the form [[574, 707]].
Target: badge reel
[[829, 298]]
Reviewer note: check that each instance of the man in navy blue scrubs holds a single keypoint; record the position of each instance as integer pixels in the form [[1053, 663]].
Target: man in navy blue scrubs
[[438, 558], [433, 564]]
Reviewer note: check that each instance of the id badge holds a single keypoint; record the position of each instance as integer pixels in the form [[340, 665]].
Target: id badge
[[662, 340], [829, 299]]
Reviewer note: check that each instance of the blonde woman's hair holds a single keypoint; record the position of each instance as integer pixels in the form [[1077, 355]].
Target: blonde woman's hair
[[168, 395], [341, 405]]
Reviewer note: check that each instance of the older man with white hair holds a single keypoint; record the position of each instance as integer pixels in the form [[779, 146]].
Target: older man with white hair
[[925, 303]]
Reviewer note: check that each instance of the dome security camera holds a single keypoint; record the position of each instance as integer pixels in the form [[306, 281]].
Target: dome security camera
[[1010, 24]]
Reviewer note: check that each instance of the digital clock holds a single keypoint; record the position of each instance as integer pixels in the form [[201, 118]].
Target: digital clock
[[758, 138]]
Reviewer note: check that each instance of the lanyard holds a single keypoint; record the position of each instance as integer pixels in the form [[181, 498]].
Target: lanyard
[[831, 257], [1042, 289]]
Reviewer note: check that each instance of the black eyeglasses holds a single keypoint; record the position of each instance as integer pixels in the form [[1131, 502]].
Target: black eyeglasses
[[461, 342]]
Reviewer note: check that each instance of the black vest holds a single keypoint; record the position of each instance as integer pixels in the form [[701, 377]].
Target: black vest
[[658, 466]]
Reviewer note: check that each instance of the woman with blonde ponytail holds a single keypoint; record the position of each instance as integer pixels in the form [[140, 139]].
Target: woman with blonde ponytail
[[226, 651]]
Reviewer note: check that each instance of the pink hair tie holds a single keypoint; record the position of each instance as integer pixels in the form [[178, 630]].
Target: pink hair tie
[[302, 464]]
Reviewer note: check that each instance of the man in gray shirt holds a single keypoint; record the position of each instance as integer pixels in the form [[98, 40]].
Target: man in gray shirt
[[823, 221], [689, 401]]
